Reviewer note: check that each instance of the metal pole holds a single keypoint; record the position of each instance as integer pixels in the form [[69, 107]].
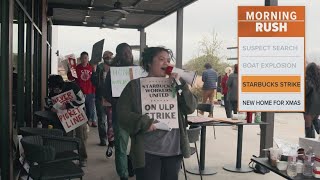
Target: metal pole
[[179, 40], [267, 131], [271, 3], [20, 102], [29, 70], [6, 155], [143, 39]]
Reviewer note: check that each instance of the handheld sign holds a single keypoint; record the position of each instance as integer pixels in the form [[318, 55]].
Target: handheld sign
[[159, 103], [120, 76], [97, 49], [72, 64], [70, 118], [271, 51]]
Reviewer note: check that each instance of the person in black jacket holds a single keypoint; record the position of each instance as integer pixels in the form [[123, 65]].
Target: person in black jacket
[[123, 57], [104, 109], [312, 100], [57, 86]]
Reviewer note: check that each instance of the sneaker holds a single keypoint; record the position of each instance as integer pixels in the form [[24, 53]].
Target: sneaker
[[90, 123], [109, 151], [94, 124]]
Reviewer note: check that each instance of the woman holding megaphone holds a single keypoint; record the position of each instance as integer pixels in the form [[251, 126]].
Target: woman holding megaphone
[[156, 154]]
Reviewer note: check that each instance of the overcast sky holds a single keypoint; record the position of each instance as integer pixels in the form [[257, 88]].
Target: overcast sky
[[200, 19]]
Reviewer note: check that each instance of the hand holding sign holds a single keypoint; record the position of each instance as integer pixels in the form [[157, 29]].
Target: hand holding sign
[[152, 128], [96, 54], [162, 126]]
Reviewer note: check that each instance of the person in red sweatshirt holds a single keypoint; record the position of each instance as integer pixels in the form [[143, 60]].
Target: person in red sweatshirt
[[224, 86], [84, 72]]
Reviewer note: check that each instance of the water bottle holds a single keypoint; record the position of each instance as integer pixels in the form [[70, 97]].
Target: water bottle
[[257, 117], [299, 167], [292, 164], [308, 163], [39, 125]]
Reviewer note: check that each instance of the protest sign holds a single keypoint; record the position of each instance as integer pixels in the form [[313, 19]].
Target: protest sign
[[97, 49], [120, 76], [64, 98], [72, 64], [70, 118], [271, 51], [159, 101]]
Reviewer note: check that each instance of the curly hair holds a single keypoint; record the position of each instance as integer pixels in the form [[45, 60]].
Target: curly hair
[[149, 53], [313, 74]]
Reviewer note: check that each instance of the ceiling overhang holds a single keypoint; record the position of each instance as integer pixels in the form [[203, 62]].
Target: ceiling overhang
[[134, 14]]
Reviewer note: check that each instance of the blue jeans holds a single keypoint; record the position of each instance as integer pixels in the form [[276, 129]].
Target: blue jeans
[[90, 107]]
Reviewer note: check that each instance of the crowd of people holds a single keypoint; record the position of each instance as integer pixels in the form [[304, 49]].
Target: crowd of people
[[154, 153]]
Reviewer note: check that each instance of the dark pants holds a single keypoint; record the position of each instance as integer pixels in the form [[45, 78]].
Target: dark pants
[[227, 106], [309, 131], [234, 106], [110, 133], [101, 121], [160, 168]]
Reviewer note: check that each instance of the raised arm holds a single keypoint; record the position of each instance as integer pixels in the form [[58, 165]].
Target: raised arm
[[80, 99], [187, 101], [95, 75]]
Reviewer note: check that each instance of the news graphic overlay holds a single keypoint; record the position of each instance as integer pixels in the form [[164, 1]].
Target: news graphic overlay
[[271, 51], [159, 101]]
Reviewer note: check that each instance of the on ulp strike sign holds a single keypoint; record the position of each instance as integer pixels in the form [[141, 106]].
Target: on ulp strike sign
[[271, 41]]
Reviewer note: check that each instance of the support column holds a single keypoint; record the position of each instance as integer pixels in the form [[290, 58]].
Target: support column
[[29, 67], [6, 150], [179, 38], [44, 59], [267, 131], [143, 40]]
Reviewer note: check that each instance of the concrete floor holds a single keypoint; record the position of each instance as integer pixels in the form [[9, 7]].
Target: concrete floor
[[219, 152]]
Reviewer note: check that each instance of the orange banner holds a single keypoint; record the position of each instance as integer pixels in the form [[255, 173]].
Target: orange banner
[[271, 21], [271, 84]]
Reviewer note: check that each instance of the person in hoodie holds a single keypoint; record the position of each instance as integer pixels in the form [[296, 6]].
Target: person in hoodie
[[224, 86], [104, 109], [57, 86], [84, 73]]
